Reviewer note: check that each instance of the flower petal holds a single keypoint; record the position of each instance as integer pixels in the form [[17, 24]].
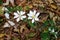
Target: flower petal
[[18, 12], [7, 15], [33, 20], [37, 19], [29, 14], [22, 13], [18, 19], [29, 17], [11, 23], [16, 16], [34, 12], [23, 16], [37, 14], [15, 13], [30, 11], [49, 29], [52, 30]]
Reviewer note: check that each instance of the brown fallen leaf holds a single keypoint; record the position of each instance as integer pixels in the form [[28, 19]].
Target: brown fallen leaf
[[51, 14], [1, 35], [50, 1], [22, 28], [22, 3], [43, 17], [54, 19], [58, 18], [53, 6]]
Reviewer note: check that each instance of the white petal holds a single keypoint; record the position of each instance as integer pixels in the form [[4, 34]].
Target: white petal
[[16, 16], [37, 19], [29, 14], [6, 25], [33, 20], [29, 17], [52, 30], [56, 36], [18, 12], [23, 16], [34, 12], [49, 29], [22, 13], [18, 19], [6, 9], [11, 23], [37, 14], [7, 15], [15, 13]]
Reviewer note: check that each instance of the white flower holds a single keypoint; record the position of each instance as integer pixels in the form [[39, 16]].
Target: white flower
[[19, 15], [53, 31], [33, 15], [9, 23], [7, 15]]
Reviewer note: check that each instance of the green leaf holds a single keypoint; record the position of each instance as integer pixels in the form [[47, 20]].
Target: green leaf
[[19, 8], [29, 23], [1, 2], [27, 8], [10, 9], [46, 23], [45, 36], [32, 25], [14, 8], [51, 22]]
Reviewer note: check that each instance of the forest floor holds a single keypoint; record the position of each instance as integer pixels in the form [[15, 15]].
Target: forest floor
[[47, 28]]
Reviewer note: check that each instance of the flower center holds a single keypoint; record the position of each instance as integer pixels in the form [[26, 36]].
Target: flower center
[[33, 16]]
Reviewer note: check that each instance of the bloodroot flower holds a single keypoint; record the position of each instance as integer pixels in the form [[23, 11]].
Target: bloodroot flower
[[33, 15], [19, 15]]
